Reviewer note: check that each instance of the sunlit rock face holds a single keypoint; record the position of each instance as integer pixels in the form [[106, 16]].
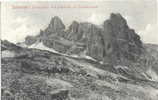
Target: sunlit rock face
[[110, 43]]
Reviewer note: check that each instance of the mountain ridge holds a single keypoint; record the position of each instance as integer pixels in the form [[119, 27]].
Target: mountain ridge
[[99, 43]]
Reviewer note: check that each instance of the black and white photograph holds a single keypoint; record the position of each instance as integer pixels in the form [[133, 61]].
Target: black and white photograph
[[79, 50]]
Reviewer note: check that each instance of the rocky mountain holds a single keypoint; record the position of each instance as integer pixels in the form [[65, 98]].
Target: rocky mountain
[[81, 62], [113, 41]]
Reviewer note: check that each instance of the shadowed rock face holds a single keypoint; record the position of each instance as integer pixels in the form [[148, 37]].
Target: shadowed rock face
[[92, 37], [119, 39], [73, 31], [111, 43]]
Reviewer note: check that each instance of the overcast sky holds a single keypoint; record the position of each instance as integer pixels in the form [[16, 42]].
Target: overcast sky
[[17, 22]]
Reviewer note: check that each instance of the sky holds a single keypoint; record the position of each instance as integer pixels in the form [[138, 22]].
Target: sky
[[20, 19]]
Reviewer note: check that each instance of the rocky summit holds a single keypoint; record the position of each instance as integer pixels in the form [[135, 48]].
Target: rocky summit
[[109, 43], [81, 62]]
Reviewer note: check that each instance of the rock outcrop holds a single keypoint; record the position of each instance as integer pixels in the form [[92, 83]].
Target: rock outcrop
[[111, 43], [120, 41], [56, 25]]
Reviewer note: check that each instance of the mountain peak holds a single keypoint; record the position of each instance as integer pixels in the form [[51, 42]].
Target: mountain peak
[[118, 35], [117, 21], [114, 15], [103, 44], [74, 26], [56, 24]]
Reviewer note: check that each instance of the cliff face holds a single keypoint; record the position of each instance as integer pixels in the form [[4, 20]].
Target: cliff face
[[120, 41], [111, 43]]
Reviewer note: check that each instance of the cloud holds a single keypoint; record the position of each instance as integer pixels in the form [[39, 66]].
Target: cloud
[[97, 19], [17, 29], [149, 34]]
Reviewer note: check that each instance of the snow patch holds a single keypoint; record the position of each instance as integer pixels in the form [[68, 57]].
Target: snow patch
[[152, 74], [121, 67], [101, 62], [75, 56], [83, 56], [41, 46], [88, 57]]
